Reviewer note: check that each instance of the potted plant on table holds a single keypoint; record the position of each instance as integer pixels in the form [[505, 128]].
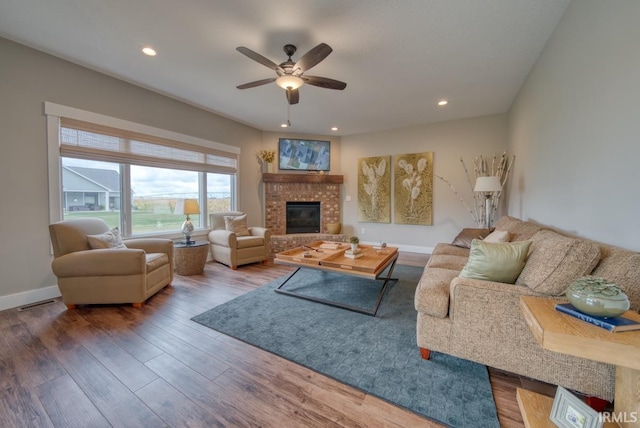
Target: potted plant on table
[[354, 240]]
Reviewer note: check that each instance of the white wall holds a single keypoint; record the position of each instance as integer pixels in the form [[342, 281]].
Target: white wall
[[575, 126], [449, 141], [27, 79]]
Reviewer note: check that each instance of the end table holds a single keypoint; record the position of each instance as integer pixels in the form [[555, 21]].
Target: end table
[[189, 259]]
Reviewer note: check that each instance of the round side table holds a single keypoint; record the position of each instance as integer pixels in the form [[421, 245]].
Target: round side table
[[189, 259]]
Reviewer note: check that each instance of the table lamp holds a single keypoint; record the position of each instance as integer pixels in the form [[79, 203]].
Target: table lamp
[[488, 185], [187, 207]]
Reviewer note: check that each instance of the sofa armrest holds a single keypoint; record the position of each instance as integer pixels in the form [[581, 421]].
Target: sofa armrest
[[432, 292], [106, 262], [261, 232], [223, 237], [152, 245]]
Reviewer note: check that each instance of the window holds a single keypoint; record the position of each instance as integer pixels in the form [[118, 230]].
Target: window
[[133, 179]]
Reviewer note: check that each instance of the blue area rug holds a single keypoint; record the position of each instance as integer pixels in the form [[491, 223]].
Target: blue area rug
[[377, 355]]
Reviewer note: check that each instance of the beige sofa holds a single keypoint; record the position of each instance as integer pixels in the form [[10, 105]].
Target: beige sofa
[[481, 320], [233, 249], [109, 275]]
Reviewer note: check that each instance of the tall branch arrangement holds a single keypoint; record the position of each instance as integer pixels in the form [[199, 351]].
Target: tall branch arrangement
[[483, 167]]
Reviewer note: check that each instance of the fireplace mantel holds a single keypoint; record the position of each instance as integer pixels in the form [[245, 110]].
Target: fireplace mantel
[[302, 178]]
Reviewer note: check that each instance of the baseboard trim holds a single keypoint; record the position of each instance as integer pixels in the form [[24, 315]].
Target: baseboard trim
[[28, 297]]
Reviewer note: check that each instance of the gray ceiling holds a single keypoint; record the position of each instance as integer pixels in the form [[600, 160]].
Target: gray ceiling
[[398, 57]]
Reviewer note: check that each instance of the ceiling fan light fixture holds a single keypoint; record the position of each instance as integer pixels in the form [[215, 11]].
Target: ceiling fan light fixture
[[288, 81], [148, 50]]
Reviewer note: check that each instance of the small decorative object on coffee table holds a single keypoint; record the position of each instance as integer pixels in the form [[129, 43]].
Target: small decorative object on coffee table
[[354, 241], [598, 297]]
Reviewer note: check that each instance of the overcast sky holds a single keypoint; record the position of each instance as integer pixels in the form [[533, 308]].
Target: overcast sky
[[147, 181]]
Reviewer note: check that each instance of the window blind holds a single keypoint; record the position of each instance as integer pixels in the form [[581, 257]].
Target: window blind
[[98, 142]]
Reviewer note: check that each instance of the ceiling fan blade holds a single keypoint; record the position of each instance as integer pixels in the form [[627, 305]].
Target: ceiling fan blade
[[324, 82], [259, 58], [313, 57], [293, 96], [256, 83]]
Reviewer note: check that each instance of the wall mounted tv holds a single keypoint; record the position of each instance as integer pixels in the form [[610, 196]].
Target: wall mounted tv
[[303, 155]]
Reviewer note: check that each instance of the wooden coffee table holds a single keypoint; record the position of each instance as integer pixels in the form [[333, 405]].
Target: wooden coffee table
[[330, 256]]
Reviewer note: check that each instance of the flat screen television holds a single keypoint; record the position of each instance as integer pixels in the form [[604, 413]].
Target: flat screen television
[[303, 155]]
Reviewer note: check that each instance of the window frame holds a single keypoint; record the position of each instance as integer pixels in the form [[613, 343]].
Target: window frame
[[55, 112]]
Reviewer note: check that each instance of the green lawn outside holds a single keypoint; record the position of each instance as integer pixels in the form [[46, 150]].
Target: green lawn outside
[[151, 220], [142, 220]]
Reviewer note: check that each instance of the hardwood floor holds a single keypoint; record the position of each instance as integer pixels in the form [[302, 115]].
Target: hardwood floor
[[119, 366]]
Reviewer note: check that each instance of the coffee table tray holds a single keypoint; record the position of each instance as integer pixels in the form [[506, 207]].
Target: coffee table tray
[[319, 253], [371, 262]]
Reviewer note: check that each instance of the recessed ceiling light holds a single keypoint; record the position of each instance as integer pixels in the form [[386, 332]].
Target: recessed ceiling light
[[147, 50], [443, 102], [334, 128]]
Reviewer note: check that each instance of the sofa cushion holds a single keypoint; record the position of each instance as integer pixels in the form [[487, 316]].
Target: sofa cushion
[[499, 262], [466, 235], [452, 250], [498, 236], [237, 225], [623, 268], [556, 260], [155, 260], [447, 261], [250, 241], [110, 239], [518, 229]]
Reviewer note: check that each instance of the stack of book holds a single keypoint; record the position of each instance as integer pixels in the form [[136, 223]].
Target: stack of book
[[353, 254], [330, 245], [613, 324]]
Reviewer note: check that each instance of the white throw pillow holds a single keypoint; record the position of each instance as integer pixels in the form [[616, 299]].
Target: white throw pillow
[[498, 236], [237, 225], [110, 239]]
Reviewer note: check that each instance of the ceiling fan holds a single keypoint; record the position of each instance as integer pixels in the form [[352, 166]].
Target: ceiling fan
[[290, 75]]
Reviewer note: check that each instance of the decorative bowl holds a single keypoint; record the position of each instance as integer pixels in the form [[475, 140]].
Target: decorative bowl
[[334, 228], [598, 297]]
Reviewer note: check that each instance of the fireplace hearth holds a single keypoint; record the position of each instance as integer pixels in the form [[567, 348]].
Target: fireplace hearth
[[303, 217]]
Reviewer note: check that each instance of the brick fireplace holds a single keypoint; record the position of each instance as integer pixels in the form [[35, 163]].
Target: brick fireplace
[[283, 188]]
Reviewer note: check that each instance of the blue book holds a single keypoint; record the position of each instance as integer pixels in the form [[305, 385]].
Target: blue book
[[613, 324]]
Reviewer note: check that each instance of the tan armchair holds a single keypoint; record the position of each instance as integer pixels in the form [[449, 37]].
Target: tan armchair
[[233, 250], [113, 275]]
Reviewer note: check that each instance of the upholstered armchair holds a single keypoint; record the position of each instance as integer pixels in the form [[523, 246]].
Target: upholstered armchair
[[233, 243], [94, 265]]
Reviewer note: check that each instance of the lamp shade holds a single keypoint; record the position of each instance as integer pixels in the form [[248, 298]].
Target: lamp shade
[[488, 184], [187, 206]]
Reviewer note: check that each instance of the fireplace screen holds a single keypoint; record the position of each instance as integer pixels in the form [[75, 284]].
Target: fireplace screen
[[303, 217]]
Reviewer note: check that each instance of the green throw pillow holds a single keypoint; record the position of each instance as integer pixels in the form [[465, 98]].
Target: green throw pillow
[[499, 262]]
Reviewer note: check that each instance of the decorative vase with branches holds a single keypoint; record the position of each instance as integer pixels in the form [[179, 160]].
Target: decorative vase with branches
[[483, 167], [266, 158]]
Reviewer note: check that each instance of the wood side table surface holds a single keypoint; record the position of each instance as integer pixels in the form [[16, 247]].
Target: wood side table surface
[[563, 333]]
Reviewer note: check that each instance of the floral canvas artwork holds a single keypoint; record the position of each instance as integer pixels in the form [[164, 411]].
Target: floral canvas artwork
[[413, 189], [374, 189]]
